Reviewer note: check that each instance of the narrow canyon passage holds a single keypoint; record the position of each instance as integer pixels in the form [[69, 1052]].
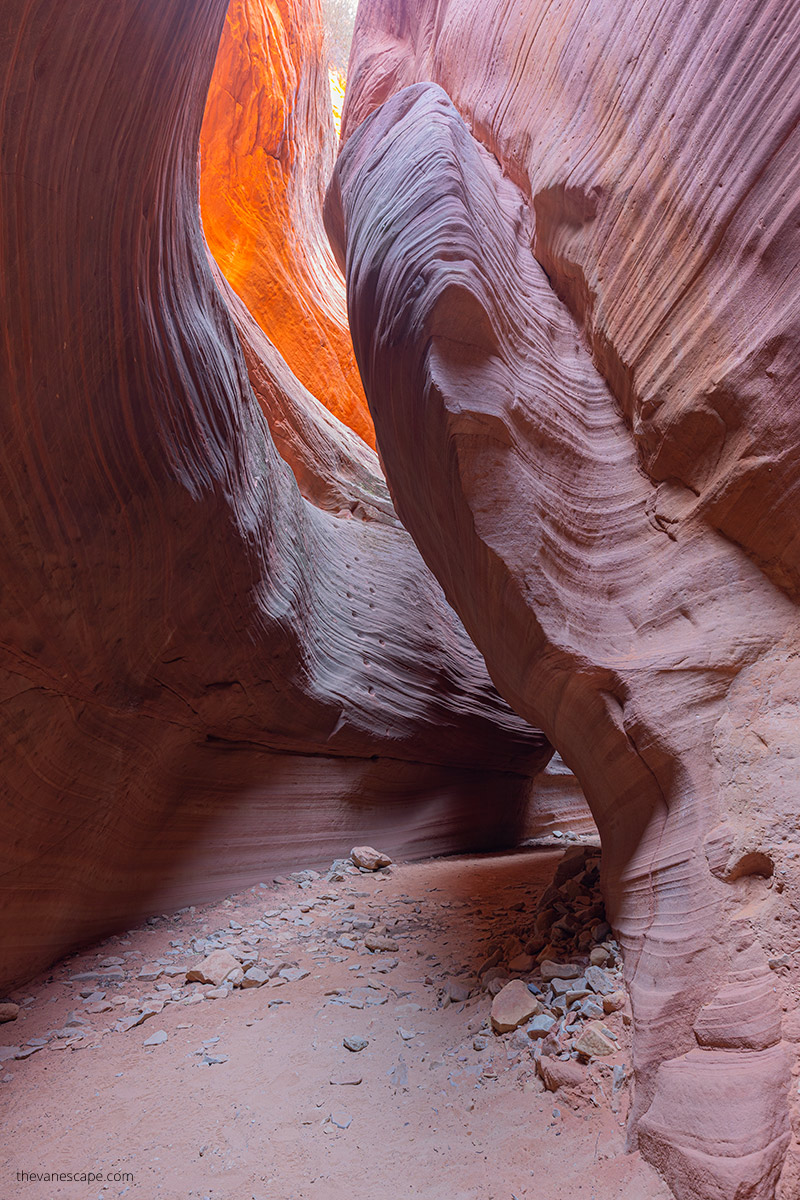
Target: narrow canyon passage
[[425, 477]]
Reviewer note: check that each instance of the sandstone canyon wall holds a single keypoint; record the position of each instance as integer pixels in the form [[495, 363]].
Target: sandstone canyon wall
[[570, 233], [267, 148], [203, 675]]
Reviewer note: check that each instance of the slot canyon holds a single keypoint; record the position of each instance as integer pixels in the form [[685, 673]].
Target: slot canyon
[[399, 637]]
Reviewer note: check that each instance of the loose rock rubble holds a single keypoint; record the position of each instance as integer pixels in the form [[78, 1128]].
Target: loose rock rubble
[[560, 982], [457, 996], [555, 980], [205, 964]]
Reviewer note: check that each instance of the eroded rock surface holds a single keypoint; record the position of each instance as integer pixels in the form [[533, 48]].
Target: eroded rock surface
[[589, 277], [201, 673], [267, 150]]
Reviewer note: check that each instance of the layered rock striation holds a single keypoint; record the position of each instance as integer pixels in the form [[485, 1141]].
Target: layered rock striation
[[570, 290], [267, 148], [203, 674]]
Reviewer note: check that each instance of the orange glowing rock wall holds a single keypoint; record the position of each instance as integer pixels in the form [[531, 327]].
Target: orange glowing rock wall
[[267, 149]]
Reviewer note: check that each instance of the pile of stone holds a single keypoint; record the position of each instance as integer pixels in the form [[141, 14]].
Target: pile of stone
[[241, 967], [234, 961], [562, 984], [120, 993]]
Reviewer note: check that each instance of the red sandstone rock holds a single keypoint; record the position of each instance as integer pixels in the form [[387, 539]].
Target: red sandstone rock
[[203, 676], [369, 858], [220, 967], [334, 468], [557, 1074], [267, 151], [512, 1006], [593, 1041], [620, 295]]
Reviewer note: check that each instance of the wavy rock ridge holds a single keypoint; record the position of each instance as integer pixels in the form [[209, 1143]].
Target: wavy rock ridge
[[530, 338], [202, 674]]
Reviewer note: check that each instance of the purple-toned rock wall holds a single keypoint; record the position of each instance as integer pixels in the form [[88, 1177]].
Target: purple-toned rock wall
[[204, 676], [571, 241]]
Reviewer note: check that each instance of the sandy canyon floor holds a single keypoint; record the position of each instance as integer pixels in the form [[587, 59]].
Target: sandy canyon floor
[[253, 1096]]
